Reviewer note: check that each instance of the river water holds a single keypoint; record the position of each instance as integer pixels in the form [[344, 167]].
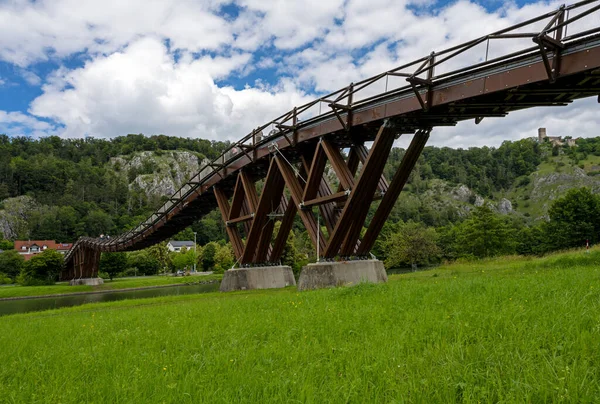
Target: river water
[[47, 303]]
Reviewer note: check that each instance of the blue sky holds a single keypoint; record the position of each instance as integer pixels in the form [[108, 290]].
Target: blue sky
[[216, 68]]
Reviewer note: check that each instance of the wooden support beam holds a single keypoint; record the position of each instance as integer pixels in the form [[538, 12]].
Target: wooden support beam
[[284, 231], [250, 191], [232, 231], [339, 165], [307, 217], [363, 153], [237, 200], [261, 231], [400, 178], [327, 211], [240, 219], [317, 168], [355, 211], [326, 199]]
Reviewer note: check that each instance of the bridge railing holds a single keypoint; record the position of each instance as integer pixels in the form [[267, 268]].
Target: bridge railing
[[548, 32]]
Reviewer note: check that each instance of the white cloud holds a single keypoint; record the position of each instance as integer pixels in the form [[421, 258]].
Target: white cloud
[[33, 31], [31, 78], [132, 81], [19, 124], [142, 89]]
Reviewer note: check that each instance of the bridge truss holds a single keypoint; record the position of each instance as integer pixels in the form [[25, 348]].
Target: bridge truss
[[549, 60]]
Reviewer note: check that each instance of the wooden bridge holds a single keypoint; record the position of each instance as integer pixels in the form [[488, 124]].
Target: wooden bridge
[[549, 60]]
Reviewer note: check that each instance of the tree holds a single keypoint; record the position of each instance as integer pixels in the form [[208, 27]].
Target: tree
[[41, 269], [485, 234], [144, 263], [223, 258], [208, 255], [160, 253], [11, 263], [113, 263], [183, 260], [412, 244], [574, 218]]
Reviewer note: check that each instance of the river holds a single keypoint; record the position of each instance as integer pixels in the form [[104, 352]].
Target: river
[[47, 303]]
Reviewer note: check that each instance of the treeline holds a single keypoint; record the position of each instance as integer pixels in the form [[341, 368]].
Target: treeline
[[573, 221], [74, 190]]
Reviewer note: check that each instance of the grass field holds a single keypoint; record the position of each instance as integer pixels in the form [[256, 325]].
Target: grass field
[[507, 330], [118, 283]]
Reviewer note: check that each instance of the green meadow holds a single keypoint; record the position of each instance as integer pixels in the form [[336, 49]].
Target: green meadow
[[505, 330]]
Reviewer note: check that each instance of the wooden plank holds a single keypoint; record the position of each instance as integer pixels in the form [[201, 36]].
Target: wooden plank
[[326, 199], [240, 219]]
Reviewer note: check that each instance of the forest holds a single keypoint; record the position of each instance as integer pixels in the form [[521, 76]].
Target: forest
[[62, 189]]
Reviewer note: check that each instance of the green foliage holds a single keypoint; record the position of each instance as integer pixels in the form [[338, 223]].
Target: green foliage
[[41, 269], [574, 218], [143, 262], [412, 244], [6, 245], [485, 234], [160, 253], [501, 330], [183, 260], [5, 279], [113, 263], [11, 263], [208, 256], [223, 258]]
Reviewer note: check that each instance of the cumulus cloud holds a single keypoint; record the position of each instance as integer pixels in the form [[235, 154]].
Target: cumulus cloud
[[155, 66], [143, 89], [15, 123]]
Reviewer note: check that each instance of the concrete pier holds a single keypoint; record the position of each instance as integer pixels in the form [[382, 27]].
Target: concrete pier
[[334, 274], [87, 281], [257, 278]]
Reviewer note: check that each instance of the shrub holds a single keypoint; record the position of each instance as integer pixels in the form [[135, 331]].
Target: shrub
[[41, 269], [5, 279]]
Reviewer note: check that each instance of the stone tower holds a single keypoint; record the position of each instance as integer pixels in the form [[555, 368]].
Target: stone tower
[[541, 134]]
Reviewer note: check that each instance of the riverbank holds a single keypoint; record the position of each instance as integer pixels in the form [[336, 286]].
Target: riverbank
[[118, 284], [511, 330]]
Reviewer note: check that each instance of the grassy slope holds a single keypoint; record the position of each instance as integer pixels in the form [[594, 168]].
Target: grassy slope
[[509, 330], [142, 281]]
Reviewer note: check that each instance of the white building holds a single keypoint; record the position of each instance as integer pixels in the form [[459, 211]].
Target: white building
[[176, 246]]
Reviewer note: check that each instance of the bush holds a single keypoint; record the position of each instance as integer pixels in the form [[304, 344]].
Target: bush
[[113, 263], [41, 269], [11, 263], [5, 279]]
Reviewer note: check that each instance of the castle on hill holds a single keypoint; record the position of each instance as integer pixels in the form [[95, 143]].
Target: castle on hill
[[555, 140]]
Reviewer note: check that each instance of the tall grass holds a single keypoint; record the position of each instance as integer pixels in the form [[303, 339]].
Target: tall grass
[[509, 330]]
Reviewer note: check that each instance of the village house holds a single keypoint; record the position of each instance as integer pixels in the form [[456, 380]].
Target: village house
[[29, 248], [176, 246]]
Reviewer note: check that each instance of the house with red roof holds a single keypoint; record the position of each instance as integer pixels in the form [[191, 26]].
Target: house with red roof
[[29, 248]]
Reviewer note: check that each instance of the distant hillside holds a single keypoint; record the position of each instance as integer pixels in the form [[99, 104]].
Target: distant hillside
[[60, 189]]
